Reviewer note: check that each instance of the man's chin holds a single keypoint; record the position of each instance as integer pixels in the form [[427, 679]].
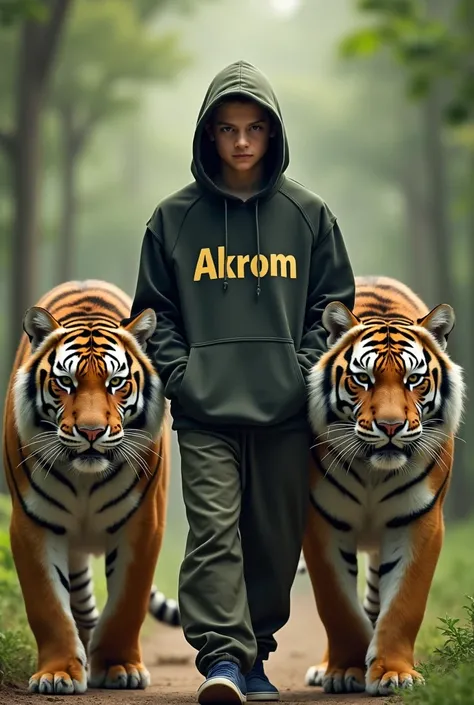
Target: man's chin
[[90, 466], [243, 164]]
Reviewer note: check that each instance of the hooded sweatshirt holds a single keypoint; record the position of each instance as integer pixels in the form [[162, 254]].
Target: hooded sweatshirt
[[239, 287]]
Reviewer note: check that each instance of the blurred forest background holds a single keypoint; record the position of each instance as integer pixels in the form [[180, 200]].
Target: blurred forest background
[[98, 102]]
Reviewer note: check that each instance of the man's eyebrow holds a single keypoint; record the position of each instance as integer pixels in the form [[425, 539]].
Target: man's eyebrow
[[230, 124]]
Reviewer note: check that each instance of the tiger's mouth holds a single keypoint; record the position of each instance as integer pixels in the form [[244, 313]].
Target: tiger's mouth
[[390, 449], [389, 457], [90, 454]]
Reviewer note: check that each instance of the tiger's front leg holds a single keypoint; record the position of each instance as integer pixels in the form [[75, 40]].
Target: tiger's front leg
[[330, 555], [408, 561], [41, 560], [115, 653]]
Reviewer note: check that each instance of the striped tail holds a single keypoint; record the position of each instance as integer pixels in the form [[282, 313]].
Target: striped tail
[[164, 609]]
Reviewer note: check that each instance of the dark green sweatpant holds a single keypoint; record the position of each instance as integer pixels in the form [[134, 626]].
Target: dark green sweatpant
[[246, 496]]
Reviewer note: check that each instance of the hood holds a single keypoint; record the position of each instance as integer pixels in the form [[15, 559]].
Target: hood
[[239, 78]]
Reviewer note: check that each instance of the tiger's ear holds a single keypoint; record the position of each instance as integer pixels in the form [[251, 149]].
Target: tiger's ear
[[439, 322], [337, 320], [38, 323], [142, 326]]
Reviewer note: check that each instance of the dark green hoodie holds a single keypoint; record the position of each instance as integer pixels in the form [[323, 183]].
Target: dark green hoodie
[[234, 343]]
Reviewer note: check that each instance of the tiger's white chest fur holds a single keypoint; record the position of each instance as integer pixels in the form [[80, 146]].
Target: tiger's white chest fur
[[364, 503], [89, 510]]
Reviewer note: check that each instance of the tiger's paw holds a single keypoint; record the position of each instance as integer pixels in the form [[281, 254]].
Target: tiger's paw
[[381, 679], [127, 676], [60, 678], [344, 680], [314, 675]]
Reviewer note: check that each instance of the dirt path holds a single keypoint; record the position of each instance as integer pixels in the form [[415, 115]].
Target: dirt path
[[175, 680]]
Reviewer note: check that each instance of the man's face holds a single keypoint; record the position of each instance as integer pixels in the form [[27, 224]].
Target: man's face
[[241, 131]]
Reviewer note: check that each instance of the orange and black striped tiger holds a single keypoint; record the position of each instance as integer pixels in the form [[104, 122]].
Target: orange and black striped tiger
[[86, 455], [385, 404]]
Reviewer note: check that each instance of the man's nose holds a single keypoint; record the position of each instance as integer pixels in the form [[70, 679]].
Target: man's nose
[[242, 140]]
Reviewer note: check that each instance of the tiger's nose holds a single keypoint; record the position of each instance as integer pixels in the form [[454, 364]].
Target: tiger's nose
[[391, 427], [91, 433]]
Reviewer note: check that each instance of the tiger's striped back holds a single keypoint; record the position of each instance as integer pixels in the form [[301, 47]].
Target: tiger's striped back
[[382, 299]]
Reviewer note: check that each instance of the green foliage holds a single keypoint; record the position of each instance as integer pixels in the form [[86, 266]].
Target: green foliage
[[449, 674], [12, 11], [106, 55], [458, 643], [455, 688], [429, 48]]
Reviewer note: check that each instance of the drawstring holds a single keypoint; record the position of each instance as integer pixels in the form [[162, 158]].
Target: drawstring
[[259, 264], [225, 284], [226, 242]]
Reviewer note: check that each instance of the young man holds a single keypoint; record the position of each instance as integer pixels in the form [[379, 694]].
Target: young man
[[239, 266]]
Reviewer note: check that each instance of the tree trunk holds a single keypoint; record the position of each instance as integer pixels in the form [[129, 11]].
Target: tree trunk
[[420, 268], [66, 240], [38, 47], [459, 502], [25, 186], [437, 196]]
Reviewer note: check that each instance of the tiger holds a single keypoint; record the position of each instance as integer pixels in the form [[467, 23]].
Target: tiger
[[86, 440], [385, 402]]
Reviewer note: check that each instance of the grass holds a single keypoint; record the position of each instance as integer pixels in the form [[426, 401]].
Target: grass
[[449, 671], [446, 641], [17, 647], [453, 582]]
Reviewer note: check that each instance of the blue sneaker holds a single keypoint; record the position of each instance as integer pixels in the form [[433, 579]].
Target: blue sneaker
[[258, 685], [224, 684]]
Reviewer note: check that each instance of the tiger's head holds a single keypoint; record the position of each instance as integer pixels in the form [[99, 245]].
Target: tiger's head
[[88, 396], [386, 391]]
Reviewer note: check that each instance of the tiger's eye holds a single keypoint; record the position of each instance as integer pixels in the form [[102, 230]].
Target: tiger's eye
[[115, 381], [65, 381]]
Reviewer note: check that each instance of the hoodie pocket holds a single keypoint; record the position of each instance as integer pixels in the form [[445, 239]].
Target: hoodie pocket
[[253, 381]]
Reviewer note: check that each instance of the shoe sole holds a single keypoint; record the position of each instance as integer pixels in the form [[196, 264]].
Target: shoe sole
[[220, 690], [263, 696]]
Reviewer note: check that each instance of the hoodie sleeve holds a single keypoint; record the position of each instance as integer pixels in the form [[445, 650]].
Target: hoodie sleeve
[[156, 289], [331, 279]]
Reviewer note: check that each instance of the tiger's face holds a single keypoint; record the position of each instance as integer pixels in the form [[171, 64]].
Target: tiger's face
[[88, 397], [386, 391]]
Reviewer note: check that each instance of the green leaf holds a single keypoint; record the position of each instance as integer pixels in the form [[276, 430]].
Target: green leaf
[[365, 42]]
